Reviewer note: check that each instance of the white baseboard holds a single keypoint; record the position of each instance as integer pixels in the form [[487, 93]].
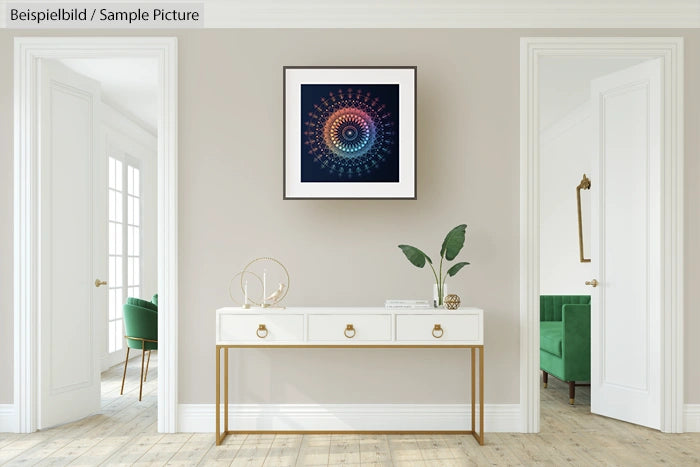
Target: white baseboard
[[349, 417], [8, 420], [691, 415], [201, 417]]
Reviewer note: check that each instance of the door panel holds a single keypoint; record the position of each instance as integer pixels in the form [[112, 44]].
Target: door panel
[[625, 316], [69, 380]]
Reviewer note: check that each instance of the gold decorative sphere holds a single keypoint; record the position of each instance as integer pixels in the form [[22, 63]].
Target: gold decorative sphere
[[452, 301]]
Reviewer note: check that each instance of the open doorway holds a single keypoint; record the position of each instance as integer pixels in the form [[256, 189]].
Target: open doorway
[[567, 137], [95, 222], [127, 149], [635, 276]]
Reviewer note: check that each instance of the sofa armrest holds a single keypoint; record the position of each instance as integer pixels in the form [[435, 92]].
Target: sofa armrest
[[576, 339]]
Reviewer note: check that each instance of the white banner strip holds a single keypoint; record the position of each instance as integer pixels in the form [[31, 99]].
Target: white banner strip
[[98, 15]]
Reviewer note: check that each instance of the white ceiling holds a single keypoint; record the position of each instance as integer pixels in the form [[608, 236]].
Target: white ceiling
[[128, 84], [439, 13], [565, 82]]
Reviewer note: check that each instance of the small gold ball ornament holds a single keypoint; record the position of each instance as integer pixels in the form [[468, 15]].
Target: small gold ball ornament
[[452, 301]]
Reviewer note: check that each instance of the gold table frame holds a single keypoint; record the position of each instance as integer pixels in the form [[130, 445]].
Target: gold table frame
[[479, 436]]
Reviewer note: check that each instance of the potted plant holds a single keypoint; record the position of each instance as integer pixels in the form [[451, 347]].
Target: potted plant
[[451, 246]]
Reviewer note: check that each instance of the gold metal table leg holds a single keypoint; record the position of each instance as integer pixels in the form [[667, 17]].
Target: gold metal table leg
[[218, 395], [479, 436], [225, 391], [473, 382], [481, 396]]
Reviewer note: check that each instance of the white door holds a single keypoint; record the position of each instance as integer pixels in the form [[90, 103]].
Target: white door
[[626, 245], [73, 246]]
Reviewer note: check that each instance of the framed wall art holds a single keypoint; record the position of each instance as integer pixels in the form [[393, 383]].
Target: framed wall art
[[349, 132]]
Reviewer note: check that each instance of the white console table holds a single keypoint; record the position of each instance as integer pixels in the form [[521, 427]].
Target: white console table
[[324, 327]]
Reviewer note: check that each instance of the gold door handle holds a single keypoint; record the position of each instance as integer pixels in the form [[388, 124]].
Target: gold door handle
[[592, 283], [439, 329], [261, 329], [349, 328], [99, 282]]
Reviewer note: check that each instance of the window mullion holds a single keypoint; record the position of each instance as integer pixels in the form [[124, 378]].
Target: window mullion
[[125, 231]]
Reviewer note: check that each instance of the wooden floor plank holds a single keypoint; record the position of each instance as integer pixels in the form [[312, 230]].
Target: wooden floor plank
[[345, 449], [193, 450], [284, 451], [254, 451], [163, 450], [374, 450], [314, 450], [125, 433]]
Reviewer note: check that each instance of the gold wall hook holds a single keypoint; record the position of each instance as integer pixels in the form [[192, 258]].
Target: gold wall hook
[[584, 185]]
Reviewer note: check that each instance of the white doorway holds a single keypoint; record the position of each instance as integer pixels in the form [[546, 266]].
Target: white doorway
[[83, 181], [651, 386], [600, 119], [126, 187]]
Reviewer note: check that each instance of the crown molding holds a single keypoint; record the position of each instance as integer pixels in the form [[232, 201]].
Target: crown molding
[[454, 14], [444, 14]]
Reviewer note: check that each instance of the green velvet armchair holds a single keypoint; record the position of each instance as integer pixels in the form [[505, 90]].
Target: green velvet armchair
[[141, 327], [565, 339]]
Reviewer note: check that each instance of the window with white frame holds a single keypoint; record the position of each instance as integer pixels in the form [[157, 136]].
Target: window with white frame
[[124, 242]]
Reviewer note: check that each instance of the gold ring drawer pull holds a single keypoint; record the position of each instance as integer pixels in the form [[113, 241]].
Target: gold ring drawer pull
[[438, 329], [262, 331], [349, 329]]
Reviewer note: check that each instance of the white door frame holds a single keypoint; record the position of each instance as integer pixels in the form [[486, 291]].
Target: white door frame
[[670, 51], [27, 52]]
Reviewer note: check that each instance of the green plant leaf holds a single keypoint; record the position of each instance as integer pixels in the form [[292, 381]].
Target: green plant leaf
[[455, 268], [415, 256], [453, 243]]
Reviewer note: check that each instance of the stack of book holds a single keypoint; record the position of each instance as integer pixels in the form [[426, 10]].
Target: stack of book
[[407, 304]]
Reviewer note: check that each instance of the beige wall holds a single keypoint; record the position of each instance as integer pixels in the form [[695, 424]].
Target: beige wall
[[344, 252]]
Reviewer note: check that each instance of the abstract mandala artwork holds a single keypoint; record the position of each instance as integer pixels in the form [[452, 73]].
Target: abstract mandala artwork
[[349, 133]]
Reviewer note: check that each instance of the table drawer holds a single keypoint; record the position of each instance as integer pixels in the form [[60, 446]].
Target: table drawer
[[261, 328], [350, 328], [439, 328]]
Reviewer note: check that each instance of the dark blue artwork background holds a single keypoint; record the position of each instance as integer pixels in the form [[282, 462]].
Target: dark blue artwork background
[[388, 94]]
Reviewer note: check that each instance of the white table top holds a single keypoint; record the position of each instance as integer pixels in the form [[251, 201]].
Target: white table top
[[346, 310]]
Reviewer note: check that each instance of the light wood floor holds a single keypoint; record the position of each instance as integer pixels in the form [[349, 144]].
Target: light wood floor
[[125, 433]]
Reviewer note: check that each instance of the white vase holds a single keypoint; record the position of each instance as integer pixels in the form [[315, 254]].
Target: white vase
[[437, 303]]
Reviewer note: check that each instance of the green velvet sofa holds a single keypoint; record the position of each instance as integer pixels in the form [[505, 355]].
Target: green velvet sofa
[[565, 339]]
